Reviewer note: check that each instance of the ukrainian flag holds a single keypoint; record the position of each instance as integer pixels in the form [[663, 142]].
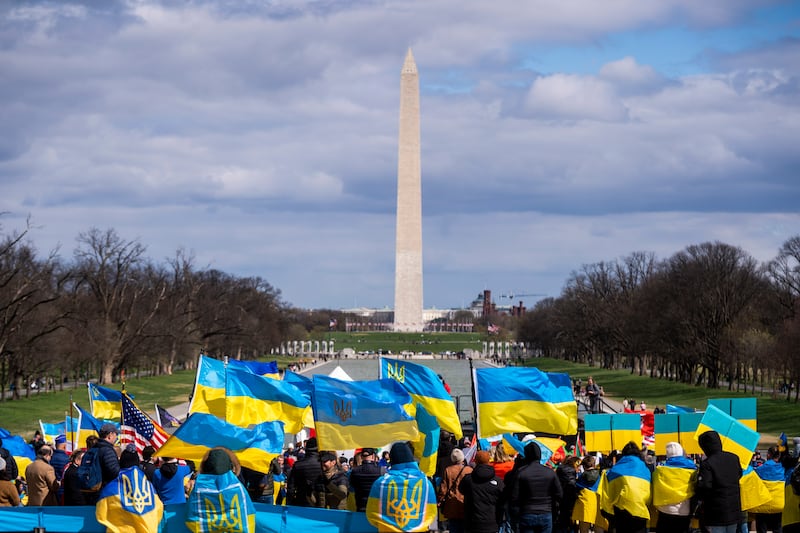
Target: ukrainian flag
[[518, 399], [606, 432], [209, 387], [774, 477], [425, 388], [255, 447], [21, 451], [678, 428], [426, 446], [267, 370], [402, 500], [51, 431], [627, 486], [71, 424], [357, 414], [744, 410], [129, 504], [105, 403], [791, 511], [251, 399], [87, 425], [673, 482], [736, 437], [301, 382], [753, 493]]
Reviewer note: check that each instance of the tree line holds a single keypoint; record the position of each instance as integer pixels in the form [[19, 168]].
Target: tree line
[[708, 315], [112, 308]]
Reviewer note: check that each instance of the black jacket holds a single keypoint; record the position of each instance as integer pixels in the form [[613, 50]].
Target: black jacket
[[11, 464], [567, 477], [483, 500], [109, 463], [536, 490], [361, 479], [303, 476], [72, 487], [718, 483]]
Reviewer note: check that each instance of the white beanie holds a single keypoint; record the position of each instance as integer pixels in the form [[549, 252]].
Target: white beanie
[[674, 450], [457, 456]]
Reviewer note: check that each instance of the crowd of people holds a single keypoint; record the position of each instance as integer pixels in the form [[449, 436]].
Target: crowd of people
[[472, 491]]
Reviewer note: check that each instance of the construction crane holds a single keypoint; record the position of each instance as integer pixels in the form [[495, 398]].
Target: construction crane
[[513, 295]]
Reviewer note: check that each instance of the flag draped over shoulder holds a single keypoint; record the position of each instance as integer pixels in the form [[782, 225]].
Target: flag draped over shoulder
[[518, 399], [209, 387], [627, 486], [129, 504], [773, 476], [267, 370], [255, 447], [251, 399], [401, 500], [736, 437], [673, 482], [21, 451], [220, 503], [426, 447], [753, 493], [138, 428], [426, 389], [357, 414], [105, 403]]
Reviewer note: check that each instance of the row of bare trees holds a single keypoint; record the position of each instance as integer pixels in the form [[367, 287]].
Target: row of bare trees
[[112, 308], [709, 314]]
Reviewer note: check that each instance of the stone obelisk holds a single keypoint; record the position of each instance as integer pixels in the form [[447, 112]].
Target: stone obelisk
[[408, 251]]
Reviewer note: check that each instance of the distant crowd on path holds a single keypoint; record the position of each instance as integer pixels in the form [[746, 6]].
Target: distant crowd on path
[[485, 491]]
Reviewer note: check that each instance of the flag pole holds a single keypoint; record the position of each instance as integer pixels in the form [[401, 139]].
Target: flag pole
[[474, 400], [71, 429]]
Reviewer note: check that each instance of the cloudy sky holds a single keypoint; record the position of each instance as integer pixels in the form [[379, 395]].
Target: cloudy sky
[[262, 135]]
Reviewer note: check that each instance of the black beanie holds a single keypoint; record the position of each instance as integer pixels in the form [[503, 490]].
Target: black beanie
[[533, 454], [311, 445], [400, 453], [129, 457]]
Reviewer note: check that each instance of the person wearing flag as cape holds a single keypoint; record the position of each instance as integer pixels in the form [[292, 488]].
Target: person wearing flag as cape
[[673, 488], [625, 491]]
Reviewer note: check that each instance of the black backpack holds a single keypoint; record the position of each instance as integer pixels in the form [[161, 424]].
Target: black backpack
[[90, 473]]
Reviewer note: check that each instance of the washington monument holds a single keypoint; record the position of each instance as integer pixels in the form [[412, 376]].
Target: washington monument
[[408, 251]]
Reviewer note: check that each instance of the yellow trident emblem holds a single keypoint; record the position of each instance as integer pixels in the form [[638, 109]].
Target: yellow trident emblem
[[396, 372], [401, 506], [223, 518], [135, 494], [343, 409]]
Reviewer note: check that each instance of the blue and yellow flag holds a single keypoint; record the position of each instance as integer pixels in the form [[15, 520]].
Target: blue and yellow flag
[[745, 410], [51, 431], [358, 414], [255, 447], [626, 486], [773, 475], [403, 499], [129, 504], [301, 382], [426, 447], [209, 387], [606, 432], [673, 482], [251, 399], [87, 425], [736, 437], [518, 399], [753, 493], [105, 403], [220, 503], [678, 428], [21, 451], [267, 370], [425, 388]]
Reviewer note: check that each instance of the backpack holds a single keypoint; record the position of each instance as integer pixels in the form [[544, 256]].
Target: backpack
[[90, 473]]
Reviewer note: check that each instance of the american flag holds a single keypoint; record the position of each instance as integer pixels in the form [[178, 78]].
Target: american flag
[[138, 428]]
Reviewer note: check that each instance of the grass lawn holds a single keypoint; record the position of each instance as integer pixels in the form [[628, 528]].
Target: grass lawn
[[775, 415]]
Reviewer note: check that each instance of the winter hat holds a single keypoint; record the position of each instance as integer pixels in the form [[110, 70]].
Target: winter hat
[[400, 453], [218, 462], [129, 457], [61, 439], [674, 450], [533, 454], [483, 458], [327, 456], [311, 445], [457, 456]]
